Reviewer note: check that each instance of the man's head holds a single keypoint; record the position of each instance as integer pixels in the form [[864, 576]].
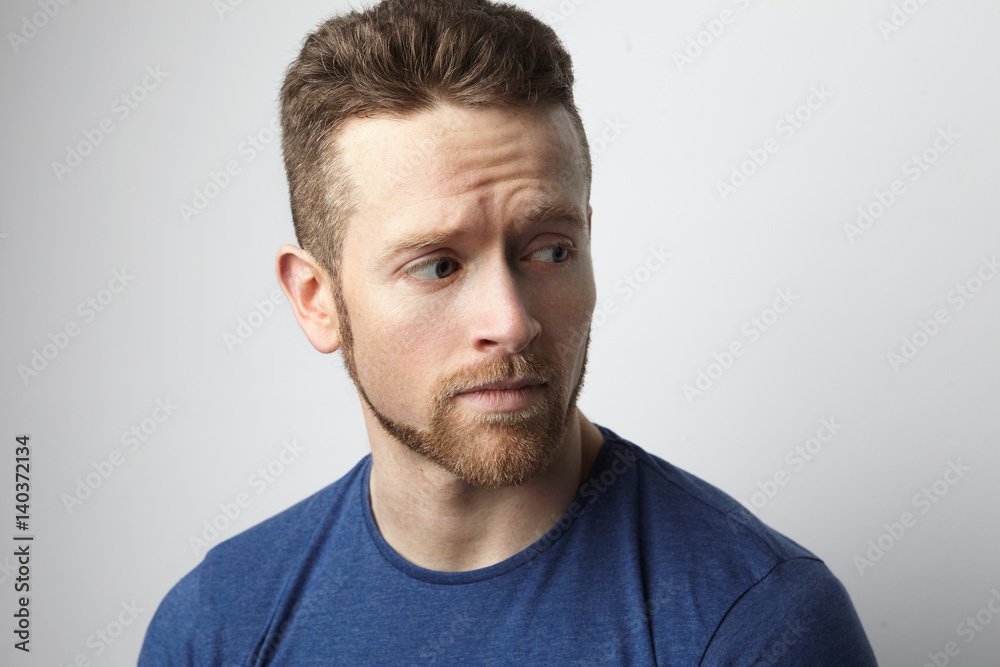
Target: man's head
[[439, 179]]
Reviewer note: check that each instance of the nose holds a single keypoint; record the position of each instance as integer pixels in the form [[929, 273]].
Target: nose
[[501, 311]]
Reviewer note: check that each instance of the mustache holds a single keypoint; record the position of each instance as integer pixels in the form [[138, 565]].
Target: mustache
[[522, 366]]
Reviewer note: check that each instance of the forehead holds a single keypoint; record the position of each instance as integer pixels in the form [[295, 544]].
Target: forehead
[[449, 158]]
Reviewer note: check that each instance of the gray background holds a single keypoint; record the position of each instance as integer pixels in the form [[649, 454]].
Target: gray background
[[671, 133]]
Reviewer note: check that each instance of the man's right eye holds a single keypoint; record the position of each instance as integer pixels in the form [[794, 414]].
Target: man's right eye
[[436, 268]]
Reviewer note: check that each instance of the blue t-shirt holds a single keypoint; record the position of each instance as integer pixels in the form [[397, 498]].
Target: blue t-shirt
[[648, 566]]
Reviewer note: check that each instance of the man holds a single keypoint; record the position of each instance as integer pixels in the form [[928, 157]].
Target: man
[[440, 179]]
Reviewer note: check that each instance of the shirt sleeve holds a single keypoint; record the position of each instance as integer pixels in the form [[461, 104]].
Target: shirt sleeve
[[798, 614], [172, 636]]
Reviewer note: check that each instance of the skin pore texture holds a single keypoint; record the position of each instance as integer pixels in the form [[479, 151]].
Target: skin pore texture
[[466, 263]]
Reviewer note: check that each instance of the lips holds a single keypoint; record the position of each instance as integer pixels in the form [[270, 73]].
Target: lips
[[503, 385]]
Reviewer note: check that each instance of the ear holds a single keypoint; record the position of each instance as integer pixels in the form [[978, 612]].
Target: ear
[[590, 214], [308, 288]]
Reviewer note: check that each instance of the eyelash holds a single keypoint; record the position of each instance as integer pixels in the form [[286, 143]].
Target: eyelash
[[570, 252]]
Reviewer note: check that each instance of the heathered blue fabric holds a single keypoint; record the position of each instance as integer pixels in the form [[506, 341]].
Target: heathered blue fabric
[[649, 566]]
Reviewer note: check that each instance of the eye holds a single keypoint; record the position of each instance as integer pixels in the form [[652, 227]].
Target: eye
[[437, 268], [555, 253]]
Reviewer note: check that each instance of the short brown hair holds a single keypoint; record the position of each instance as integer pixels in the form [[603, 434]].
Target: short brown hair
[[403, 56]]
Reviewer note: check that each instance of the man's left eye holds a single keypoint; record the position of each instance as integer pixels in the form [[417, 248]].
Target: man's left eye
[[556, 253]]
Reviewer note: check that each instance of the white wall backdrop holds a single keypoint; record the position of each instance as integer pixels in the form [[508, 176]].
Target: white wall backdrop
[[823, 177]]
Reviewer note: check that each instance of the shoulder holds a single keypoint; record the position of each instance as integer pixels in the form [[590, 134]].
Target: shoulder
[[744, 583], [228, 598], [799, 614], [689, 509]]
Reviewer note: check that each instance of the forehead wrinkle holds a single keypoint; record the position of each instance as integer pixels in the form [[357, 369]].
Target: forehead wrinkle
[[454, 222]]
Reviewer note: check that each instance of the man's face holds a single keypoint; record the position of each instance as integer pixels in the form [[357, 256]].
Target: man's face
[[467, 287]]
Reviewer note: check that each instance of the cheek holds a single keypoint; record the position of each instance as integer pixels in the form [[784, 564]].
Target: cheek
[[567, 320], [400, 353]]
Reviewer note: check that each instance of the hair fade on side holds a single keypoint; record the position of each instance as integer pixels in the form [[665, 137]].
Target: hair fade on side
[[403, 56]]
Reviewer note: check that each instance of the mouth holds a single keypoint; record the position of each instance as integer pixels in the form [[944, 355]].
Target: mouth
[[505, 385], [504, 395]]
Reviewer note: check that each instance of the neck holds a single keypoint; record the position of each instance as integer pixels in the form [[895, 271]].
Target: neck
[[439, 522]]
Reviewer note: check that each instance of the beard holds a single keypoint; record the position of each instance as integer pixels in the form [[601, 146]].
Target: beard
[[485, 449]]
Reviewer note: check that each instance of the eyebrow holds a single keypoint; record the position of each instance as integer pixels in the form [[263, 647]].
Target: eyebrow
[[536, 214], [544, 212]]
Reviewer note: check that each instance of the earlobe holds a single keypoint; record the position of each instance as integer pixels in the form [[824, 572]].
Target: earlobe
[[307, 286]]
